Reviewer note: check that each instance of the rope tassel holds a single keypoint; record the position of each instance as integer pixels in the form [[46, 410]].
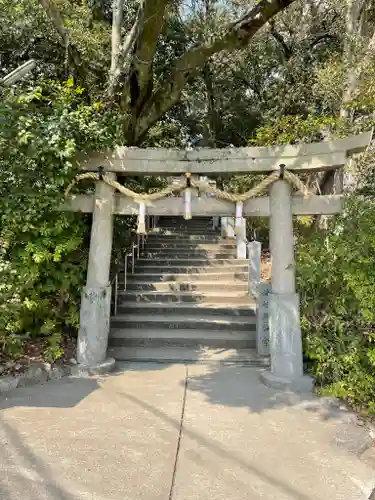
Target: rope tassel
[[141, 229], [187, 204]]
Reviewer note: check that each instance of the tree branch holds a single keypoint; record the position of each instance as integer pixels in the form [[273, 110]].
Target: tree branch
[[235, 36], [145, 47], [117, 18], [319, 37], [354, 67], [58, 23], [131, 38], [279, 38], [212, 115], [121, 66]]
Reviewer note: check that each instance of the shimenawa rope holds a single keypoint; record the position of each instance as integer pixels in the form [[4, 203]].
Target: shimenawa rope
[[143, 198]]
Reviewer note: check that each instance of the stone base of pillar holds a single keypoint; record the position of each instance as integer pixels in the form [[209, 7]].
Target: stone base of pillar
[[94, 326], [106, 366], [285, 344], [304, 384]]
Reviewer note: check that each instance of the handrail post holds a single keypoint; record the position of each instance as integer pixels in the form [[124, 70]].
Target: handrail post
[[241, 239], [262, 319], [116, 294], [254, 250], [133, 257], [125, 271], [227, 227], [260, 290]]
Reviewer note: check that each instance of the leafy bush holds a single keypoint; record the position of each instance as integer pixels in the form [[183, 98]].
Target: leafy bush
[[336, 280], [43, 251]]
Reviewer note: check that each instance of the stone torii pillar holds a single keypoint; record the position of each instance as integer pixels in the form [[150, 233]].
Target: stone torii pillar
[[284, 318], [96, 296]]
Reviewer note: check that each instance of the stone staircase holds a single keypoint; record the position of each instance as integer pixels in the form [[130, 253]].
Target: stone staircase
[[187, 299]]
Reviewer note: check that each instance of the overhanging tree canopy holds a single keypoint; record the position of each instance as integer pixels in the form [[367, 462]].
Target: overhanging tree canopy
[[131, 69]]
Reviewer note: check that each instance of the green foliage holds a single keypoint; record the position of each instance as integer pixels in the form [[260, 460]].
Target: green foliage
[[298, 129], [336, 280], [43, 251], [26, 32]]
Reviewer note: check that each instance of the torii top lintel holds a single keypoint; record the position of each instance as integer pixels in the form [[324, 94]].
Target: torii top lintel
[[300, 158]]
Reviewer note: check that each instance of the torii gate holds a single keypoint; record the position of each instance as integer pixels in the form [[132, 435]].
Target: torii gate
[[284, 318]]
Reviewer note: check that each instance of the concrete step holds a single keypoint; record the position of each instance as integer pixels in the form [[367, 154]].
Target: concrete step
[[154, 246], [185, 229], [165, 253], [157, 268], [190, 229], [188, 224], [195, 297], [229, 324], [201, 309], [180, 286], [180, 338], [186, 238], [179, 262], [180, 217], [188, 243], [186, 234], [189, 355], [192, 277]]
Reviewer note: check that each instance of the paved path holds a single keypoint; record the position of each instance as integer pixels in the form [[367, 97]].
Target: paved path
[[150, 432]]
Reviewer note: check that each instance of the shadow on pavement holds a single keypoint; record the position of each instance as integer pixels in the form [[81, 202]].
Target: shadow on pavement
[[63, 393], [240, 386], [32, 475], [237, 385]]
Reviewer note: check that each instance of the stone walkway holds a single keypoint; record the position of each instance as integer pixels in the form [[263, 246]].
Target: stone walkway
[[151, 432]]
